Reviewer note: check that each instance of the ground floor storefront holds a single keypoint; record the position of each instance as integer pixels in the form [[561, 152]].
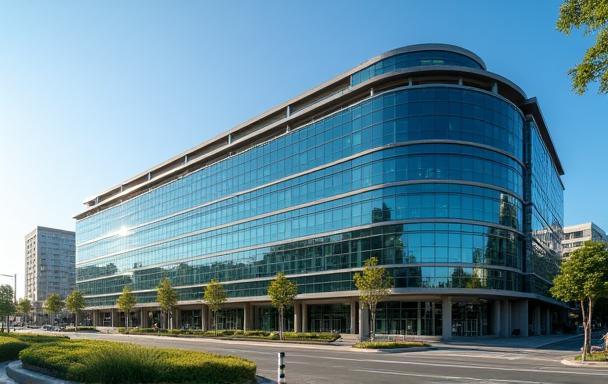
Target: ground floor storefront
[[446, 316]]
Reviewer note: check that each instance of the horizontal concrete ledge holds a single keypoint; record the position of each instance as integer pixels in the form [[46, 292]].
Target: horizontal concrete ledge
[[21, 375], [584, 364]]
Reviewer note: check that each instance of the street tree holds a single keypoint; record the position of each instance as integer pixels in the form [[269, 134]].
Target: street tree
[[167, 299], [7, 305], [591, 16], [374, 284], [75, 303], [24, 307], [583, 278], [53, 305], [126, 302], [214, 296], [282, 293]]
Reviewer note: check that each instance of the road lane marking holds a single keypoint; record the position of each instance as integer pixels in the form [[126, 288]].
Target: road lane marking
[[451, 377], [455, 365]]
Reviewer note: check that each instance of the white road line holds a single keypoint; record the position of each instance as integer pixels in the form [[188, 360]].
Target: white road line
[[579, 372], [469, 379]]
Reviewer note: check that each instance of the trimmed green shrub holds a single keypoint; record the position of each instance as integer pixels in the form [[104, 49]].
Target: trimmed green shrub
[[10, 348], [311, 336], [34, 338], [92, 361], [390, 344], [80, 328], [595, 356]]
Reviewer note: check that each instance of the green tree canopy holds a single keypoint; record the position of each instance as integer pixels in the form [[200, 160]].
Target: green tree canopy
[[583, 278], [592, 17], [374, 284], [53, 304], [214, 296], [282, 293], [7, 304], [126, 301], [24, 307], [166, 296], [75, 303]]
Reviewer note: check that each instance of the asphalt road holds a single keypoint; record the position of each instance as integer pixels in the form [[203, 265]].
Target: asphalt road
[[448, 364]]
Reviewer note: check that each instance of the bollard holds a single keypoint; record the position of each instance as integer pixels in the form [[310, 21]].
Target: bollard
[[281, 369]]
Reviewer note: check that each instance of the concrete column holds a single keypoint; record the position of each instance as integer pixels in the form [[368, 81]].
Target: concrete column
[[548, 329], [353, 317], [94, 318], [519, 315], [115, 318], [496, 318], [505, 319], [178, 318], [304, 317], [363, 322], [419, 320], [247, 317], [433, 317], [537, 320], [446, 313], [297, 316], [204, 318]]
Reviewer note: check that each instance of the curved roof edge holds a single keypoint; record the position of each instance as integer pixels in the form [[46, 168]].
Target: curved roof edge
[[429, 47]]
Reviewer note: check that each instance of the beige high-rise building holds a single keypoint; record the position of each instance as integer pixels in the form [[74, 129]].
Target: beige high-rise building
[[49, 266], [576, 235]]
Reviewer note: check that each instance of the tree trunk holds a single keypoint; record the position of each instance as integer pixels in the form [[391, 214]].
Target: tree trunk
[[585, 338], [280, 323], [8, 326], [589, 316], [373, 326], [75, 322]]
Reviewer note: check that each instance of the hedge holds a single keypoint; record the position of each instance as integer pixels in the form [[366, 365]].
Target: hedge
[[389, 344], [230, 333], [92, 361], [11, 345], [10, 348]]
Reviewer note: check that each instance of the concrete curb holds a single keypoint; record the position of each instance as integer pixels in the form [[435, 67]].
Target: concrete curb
[[21, 375], [391, 350], [569, 361]]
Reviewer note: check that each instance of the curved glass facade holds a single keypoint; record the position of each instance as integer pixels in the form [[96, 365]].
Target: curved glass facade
[[413, 59], [450, 187]]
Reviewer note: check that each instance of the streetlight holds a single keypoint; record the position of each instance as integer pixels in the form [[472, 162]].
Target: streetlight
[[15, 285]]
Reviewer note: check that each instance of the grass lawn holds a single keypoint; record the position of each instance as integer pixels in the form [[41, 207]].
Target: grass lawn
[[390, 344]]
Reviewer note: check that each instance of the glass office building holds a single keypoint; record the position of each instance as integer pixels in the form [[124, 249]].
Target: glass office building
[[419, 157]]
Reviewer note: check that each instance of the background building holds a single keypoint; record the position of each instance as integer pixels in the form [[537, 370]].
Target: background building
[[420, 157], [49, 266], [576, 235]]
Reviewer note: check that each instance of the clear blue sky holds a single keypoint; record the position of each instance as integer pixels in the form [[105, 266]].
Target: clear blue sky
[[94, 92]]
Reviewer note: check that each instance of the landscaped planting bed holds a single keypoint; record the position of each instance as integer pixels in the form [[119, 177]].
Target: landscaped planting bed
[[12, 344], [595, 356], [236, 334], [390, 344], [91, 361]]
